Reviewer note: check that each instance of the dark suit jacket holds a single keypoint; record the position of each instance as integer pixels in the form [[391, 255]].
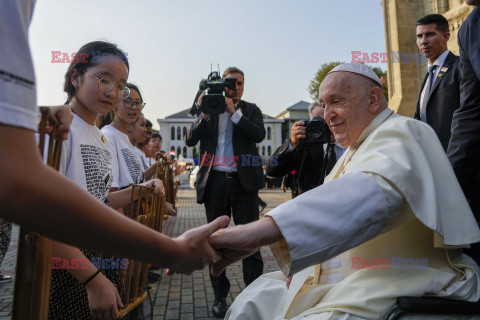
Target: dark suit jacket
[[444, 99], [246, 134], [464, 148], [307, 161]]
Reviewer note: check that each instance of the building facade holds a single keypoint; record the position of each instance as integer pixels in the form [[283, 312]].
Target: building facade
[[174, 127], [405, 76], [292, 114]]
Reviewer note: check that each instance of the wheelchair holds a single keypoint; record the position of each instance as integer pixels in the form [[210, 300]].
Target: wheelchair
[[433, 306]]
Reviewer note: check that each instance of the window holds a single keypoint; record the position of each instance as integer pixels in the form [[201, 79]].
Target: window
[[179, 150], [179, 133], [185, 151], [184, 132], [172, 133], [269, 133], [263, 150], [269, 150], [172, 149]]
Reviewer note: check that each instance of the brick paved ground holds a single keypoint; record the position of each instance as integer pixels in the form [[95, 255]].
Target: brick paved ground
[[177, 296]]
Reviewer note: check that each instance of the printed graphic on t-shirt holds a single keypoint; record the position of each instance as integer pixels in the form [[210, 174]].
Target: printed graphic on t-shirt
[[97, 164], [133, 165]]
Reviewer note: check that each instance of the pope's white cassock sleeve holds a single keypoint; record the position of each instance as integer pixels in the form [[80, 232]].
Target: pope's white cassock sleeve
[[333, 218]]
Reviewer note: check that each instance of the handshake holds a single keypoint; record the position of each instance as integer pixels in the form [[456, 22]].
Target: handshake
[[219, 246]]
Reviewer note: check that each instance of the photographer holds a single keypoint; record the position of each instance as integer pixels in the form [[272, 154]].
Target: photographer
[[230, 172], [311, 158]]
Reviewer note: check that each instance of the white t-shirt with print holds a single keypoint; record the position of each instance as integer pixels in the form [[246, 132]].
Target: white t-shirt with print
[[18, 104], [86, 159], [143, 158], [127, 168]]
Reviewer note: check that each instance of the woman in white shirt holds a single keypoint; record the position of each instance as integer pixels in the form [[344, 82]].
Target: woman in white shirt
[[78, 292], [137, 134], [127, 168]]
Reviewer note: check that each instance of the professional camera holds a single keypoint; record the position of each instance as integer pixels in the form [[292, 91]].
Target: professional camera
[[213, 102], [317, 131]]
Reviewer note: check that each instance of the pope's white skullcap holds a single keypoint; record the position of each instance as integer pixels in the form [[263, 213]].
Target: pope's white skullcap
[[360, 69]]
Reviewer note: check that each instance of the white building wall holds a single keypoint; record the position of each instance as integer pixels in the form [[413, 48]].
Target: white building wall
[[166, 126]]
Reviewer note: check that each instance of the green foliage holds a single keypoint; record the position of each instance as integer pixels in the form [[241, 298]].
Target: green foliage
[[383, 79], [326, 67]]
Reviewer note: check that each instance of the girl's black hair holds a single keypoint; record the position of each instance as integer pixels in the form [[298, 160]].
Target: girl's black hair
[[103, 120], [134, 87], [88, 56], [155, 134]]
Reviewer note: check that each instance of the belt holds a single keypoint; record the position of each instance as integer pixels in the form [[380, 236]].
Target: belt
[[225, 174]]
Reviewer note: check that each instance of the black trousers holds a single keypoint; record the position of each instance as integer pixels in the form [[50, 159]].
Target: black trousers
[[226, 196]]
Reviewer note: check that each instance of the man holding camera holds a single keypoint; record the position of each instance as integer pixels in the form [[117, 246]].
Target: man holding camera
[[230, 172], [311, 152]]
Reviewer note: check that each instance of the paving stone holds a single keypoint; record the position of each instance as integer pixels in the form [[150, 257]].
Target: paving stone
[[159, 310], [172, 314], [201, 312], [186, 307], [200, 303], [186, 316]]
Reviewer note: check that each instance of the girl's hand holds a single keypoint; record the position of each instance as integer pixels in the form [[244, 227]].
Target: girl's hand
[[157, 184], [103, 298]]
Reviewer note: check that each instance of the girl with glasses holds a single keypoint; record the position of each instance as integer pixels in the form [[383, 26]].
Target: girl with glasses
[[94, 87], [127, 167]]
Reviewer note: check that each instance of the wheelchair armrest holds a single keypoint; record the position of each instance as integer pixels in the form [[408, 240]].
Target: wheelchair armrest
[[437, 305]]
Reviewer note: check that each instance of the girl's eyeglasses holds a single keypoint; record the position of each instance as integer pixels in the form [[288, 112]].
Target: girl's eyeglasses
[[106, 85]]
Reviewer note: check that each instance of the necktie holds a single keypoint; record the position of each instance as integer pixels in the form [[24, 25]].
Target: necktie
[[228, 150], [331, 160], [431, 80], [431, 72]]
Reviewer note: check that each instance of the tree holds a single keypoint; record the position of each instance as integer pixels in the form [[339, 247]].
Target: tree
[[327, 67], [383, 79], [319, 76]]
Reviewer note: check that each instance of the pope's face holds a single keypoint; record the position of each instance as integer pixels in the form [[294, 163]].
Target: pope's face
[[346, 107]]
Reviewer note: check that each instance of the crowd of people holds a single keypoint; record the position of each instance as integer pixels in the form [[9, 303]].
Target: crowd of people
[[378, 186]]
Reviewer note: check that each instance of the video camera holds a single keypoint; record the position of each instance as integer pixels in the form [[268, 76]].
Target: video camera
[[213, 102], [317, 131]]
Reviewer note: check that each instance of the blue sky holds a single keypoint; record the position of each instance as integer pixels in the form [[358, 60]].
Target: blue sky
[[170, 44]]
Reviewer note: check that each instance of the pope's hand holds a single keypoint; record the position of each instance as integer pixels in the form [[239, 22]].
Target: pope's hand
[[240, 241], [194, 249]]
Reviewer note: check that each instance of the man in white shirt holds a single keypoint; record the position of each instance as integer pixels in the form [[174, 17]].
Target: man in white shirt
[[439, 93], [230, 172], [390, 196]]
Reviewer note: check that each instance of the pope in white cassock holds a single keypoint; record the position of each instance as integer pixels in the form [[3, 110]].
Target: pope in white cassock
[[392, 203]]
